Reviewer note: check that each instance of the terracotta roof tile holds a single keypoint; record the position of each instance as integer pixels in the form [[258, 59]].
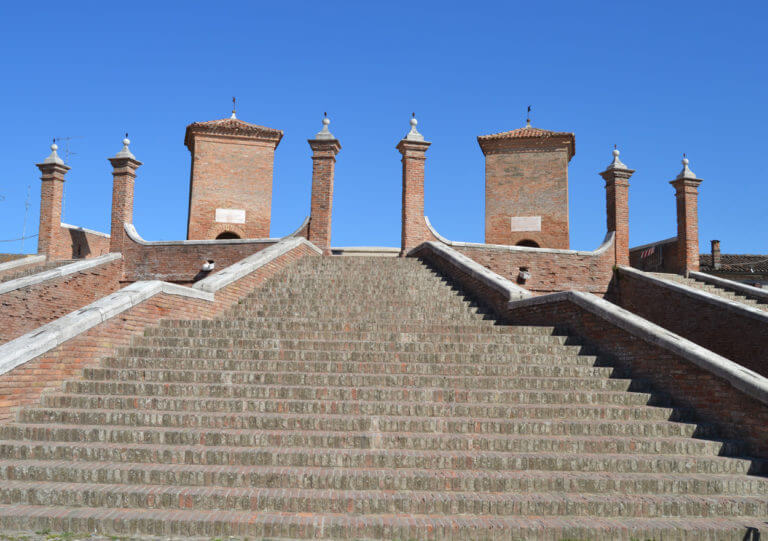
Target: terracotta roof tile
[[736, 263], [530, 133], [232, 126]]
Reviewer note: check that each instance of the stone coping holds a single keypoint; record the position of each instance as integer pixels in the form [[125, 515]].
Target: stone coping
[[606, 244], [58, 272], [130, 229], [743, 379], [670, 240], [732, 285], [381, 251], [84, 230], [705, 296], [22, 262], [26, 347], [474, 269]]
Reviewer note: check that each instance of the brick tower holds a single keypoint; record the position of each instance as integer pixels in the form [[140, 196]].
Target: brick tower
[[230, 187], [526, 187]]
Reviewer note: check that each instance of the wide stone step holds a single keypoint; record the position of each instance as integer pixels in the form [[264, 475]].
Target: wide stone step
[[249, 385], [510, 369], [555, 454], [400, 346], [320, 478], [191, 524], [359, 433], [425, 394], [368, 502], [354, 335], [489, 327], [251, 419], [355, 356]]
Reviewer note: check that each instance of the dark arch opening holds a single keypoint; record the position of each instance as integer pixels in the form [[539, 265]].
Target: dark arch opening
[[528, 243], [227, 235]]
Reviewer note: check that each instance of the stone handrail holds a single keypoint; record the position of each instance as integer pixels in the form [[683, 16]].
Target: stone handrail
[[58, 272], [736, 287], [22, 262]]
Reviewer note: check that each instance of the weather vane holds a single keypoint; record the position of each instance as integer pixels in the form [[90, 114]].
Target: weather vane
[[528, 118], [234, 103]]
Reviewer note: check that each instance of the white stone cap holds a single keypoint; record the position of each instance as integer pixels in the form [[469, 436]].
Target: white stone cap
[[616, 163], [414, 135], [125, 152], [686, 171], [53, 157], [325, 133]]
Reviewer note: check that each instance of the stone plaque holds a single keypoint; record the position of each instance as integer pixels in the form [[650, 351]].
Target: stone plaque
[[525, 223], [230, 216]]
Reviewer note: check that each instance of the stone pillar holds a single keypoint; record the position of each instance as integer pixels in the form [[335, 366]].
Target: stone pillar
[[51, 191], [413, 148], [716, 254], [324, 147], [686, 192], [124, 165], [616, 177]]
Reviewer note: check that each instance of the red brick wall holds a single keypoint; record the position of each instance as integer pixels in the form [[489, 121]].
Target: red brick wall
[[233, 173], [23, 310], [51, 191], [414, 227], [686, 195], [550, 272], [529, 179], [24, 384], [181, 263], [715, 400], [664, 258], [20, 268], [323, 167], [79, 244], [735, 336]]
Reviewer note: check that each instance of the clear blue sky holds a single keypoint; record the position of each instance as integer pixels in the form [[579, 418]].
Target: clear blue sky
[[656, 78]]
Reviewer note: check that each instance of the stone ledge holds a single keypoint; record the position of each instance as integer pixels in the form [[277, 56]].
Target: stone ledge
[[736, 287], [743, 379], [84, 230], [606, 244], [35, 343], [58, 272], [376, 251], [704, 296], [130, 229], [474, 269], [22, 262]]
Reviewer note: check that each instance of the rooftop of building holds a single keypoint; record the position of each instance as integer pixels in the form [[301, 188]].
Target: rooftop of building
[[232, 126], [741, 263], [529, 132]]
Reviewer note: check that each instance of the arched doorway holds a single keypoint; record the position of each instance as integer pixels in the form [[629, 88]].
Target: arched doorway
[[528, 243], [227, 235]]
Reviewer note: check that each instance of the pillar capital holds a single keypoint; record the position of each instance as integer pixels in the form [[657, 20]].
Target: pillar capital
[[53, 167], [616, 170]]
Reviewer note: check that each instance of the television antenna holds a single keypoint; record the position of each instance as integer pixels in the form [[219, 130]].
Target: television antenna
[[26, 212]]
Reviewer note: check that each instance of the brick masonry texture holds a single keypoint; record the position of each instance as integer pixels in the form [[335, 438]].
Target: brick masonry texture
[[321, 205], [182, 263], [686, 195], [527, 177], [25, 309], [230, 172], [25, 383], [617, 210], [123, 181], [736, 336], [414, 227]]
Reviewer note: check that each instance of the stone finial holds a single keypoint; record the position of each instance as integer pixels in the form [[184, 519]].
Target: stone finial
[[414, 135], [686, 171], [325, 133], [54, 157], [616, 163], [125, 152], [234, 104]]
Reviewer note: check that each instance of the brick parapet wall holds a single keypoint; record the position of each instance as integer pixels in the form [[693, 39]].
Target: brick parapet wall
[[79, 243], [25, 383], [10, 267], [181, 262], [734, 331], [550, 270], [27, 308]]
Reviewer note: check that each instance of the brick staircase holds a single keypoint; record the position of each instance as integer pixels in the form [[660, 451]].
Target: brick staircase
[[367, 398], [33, 269], [715, 290]]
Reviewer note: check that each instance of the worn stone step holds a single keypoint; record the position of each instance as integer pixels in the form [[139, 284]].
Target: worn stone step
[[375, 502], [321, 478], [509, 369], [361, 433], [308, 392], [555, 454], [404, 345], [348, 410], [250, 385], [192, 524]]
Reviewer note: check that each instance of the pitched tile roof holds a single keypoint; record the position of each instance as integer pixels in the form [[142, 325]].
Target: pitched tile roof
[[745, 263], [232, 126], [531, 133]]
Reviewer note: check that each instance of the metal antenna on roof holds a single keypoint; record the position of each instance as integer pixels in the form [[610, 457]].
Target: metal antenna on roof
[[234, 103], [528, 118]]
